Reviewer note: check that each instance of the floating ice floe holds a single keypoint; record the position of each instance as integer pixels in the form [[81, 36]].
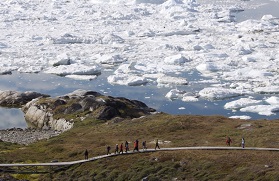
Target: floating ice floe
[[61, 59], [149, 1], [242, 102], [266, 110], [183, 95], [128, 69], [188, 98], [273, 100], [30, 69], [169, 3], [176, 59], [178, 32], [248, 59], [111, 39], [207, 68], [172, 80], [5, 69], [273, 20], [74, 69], [241, 117], [146, 33], [125, 79], [219, 93], [110, 59], [248, 73], [72, 39], [267, 90], [175, 94], [267, 23], [170, 47], [82, 77]]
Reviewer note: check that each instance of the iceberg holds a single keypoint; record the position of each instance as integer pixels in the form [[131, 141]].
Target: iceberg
[[240, 117], [74, 69], [241, 103], [175, 94], [267, 89], [176, 59], [82, 77], [129, 80], [215, 93], [273, 100], [110, 59], [172, 80], [266, 110]]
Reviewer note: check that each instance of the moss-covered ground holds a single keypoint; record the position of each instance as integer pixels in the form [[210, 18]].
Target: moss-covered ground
[[174, 131]]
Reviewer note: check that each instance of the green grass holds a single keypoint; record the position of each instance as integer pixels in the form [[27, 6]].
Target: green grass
[[176, 131]]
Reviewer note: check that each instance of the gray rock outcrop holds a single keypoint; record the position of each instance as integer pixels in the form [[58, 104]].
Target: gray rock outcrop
[[60, 113], [17, 99]]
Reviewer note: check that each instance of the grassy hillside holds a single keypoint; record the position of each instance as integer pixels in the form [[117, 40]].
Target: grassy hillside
[[173, 131]]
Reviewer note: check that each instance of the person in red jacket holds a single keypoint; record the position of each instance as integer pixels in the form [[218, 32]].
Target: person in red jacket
[[228, 141]]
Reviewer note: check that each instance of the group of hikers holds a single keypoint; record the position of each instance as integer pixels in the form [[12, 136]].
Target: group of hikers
[[120, 149], [229, 141]]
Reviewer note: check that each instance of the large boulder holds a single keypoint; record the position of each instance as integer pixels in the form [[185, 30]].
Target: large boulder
[[39, 116], [62, 112]]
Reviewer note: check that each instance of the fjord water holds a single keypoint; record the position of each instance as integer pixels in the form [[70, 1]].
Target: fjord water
[[150, 94], [264, 7]]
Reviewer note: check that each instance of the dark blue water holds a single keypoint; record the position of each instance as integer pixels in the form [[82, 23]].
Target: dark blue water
[[150, 94]]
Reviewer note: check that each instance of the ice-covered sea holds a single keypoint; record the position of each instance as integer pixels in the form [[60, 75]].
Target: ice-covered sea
[[177, 56]]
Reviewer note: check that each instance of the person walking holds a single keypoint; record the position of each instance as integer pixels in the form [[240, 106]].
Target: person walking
[[121, 148], [157, 144], [243, 142], [126, 146], [116, 149], [144, 147], [86, 155], [136, 145], [108, 149], [228, 141]]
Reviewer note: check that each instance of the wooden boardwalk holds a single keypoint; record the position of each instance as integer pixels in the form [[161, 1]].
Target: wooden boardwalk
[[30, 168]]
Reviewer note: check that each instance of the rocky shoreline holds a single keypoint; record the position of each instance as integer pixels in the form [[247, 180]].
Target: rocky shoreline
[[47, 117], [26, 136]]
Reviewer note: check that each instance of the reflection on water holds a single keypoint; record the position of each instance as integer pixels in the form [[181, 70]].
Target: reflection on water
[[11, 118], [150, 94]]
